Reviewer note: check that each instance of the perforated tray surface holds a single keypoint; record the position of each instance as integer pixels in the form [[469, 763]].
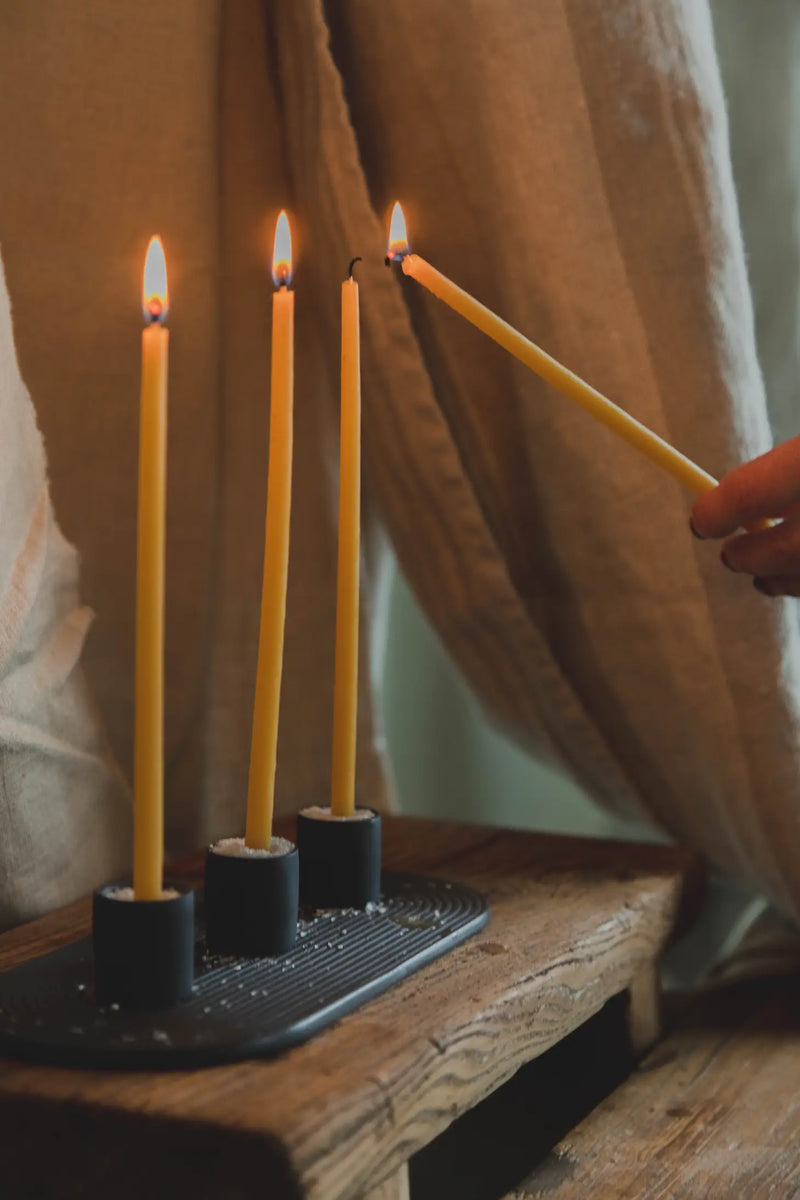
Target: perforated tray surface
[[240, 1007]]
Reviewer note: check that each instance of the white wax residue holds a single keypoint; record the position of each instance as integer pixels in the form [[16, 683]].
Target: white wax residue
[[319, 813], [235, 848], [126, 893]]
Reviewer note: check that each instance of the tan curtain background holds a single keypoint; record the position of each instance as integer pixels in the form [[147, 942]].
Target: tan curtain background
[[117, 126], [586, 147]]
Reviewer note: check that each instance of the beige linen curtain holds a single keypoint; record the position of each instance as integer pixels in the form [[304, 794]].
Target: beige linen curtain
[[569, 164], [64, 813], [567, 161]]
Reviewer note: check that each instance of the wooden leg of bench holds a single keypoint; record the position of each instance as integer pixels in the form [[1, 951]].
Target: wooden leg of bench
[[394, 1188], [644, 1010]]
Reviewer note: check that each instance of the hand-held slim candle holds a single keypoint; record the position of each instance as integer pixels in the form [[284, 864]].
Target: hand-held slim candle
[[610, 414], [345, 697], [148, 773], [264, 745]]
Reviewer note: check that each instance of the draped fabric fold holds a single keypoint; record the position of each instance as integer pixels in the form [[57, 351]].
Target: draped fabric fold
[[568, 164], [167, 124], [64, 806]]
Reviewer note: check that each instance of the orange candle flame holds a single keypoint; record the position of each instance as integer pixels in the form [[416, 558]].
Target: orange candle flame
[[282, 252], [398, 239], [155, 292]]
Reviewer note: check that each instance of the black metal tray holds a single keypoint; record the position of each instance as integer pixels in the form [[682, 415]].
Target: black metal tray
[[240, 1008]]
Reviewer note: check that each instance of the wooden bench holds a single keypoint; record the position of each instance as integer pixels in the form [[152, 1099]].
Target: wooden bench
[[713, 1112], [575, 923]]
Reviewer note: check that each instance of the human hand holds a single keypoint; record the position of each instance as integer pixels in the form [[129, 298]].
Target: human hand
[[768, 486]]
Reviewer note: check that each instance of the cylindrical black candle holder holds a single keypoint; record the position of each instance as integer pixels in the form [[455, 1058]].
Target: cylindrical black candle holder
[[340, 858], [251, 899], [143, 949]]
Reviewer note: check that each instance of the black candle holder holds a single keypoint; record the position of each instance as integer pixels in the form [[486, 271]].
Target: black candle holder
[[143, 949], [239, 1006], [340, 858], [251, 899]]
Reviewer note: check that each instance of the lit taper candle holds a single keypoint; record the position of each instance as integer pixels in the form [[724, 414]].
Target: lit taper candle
[[345, 692], [264, 744], [148, 768]]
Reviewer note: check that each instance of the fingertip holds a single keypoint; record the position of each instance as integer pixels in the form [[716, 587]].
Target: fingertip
[[702, 521], [719, 512]]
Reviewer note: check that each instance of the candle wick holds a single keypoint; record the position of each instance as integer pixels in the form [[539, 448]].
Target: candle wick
[[353, 262]]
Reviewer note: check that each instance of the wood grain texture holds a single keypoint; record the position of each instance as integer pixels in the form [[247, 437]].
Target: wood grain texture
[[712, 1112], [573, 923]]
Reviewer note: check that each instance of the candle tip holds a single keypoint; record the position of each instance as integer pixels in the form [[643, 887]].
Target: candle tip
[[353, 262], [155, 293], [398, 239], [282, 252]]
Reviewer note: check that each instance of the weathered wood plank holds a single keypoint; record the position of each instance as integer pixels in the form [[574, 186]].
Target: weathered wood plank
[[573, 923], [712, 1112], [644, 1010]]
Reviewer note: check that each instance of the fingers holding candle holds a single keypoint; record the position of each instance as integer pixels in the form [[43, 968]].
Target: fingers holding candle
[[772, 556], [766, 487], [773, 551]]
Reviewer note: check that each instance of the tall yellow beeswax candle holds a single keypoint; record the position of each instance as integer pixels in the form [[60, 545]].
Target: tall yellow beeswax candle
[[345, 692], [615, 418], [148, 769], [264, 744]]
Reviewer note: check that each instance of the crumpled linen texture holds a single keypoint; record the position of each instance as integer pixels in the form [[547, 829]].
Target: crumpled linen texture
[[64, 805], [117, 128], [568, 164]]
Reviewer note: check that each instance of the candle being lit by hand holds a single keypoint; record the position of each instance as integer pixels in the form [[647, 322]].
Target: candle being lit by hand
[[602, 409], [148, 770]]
